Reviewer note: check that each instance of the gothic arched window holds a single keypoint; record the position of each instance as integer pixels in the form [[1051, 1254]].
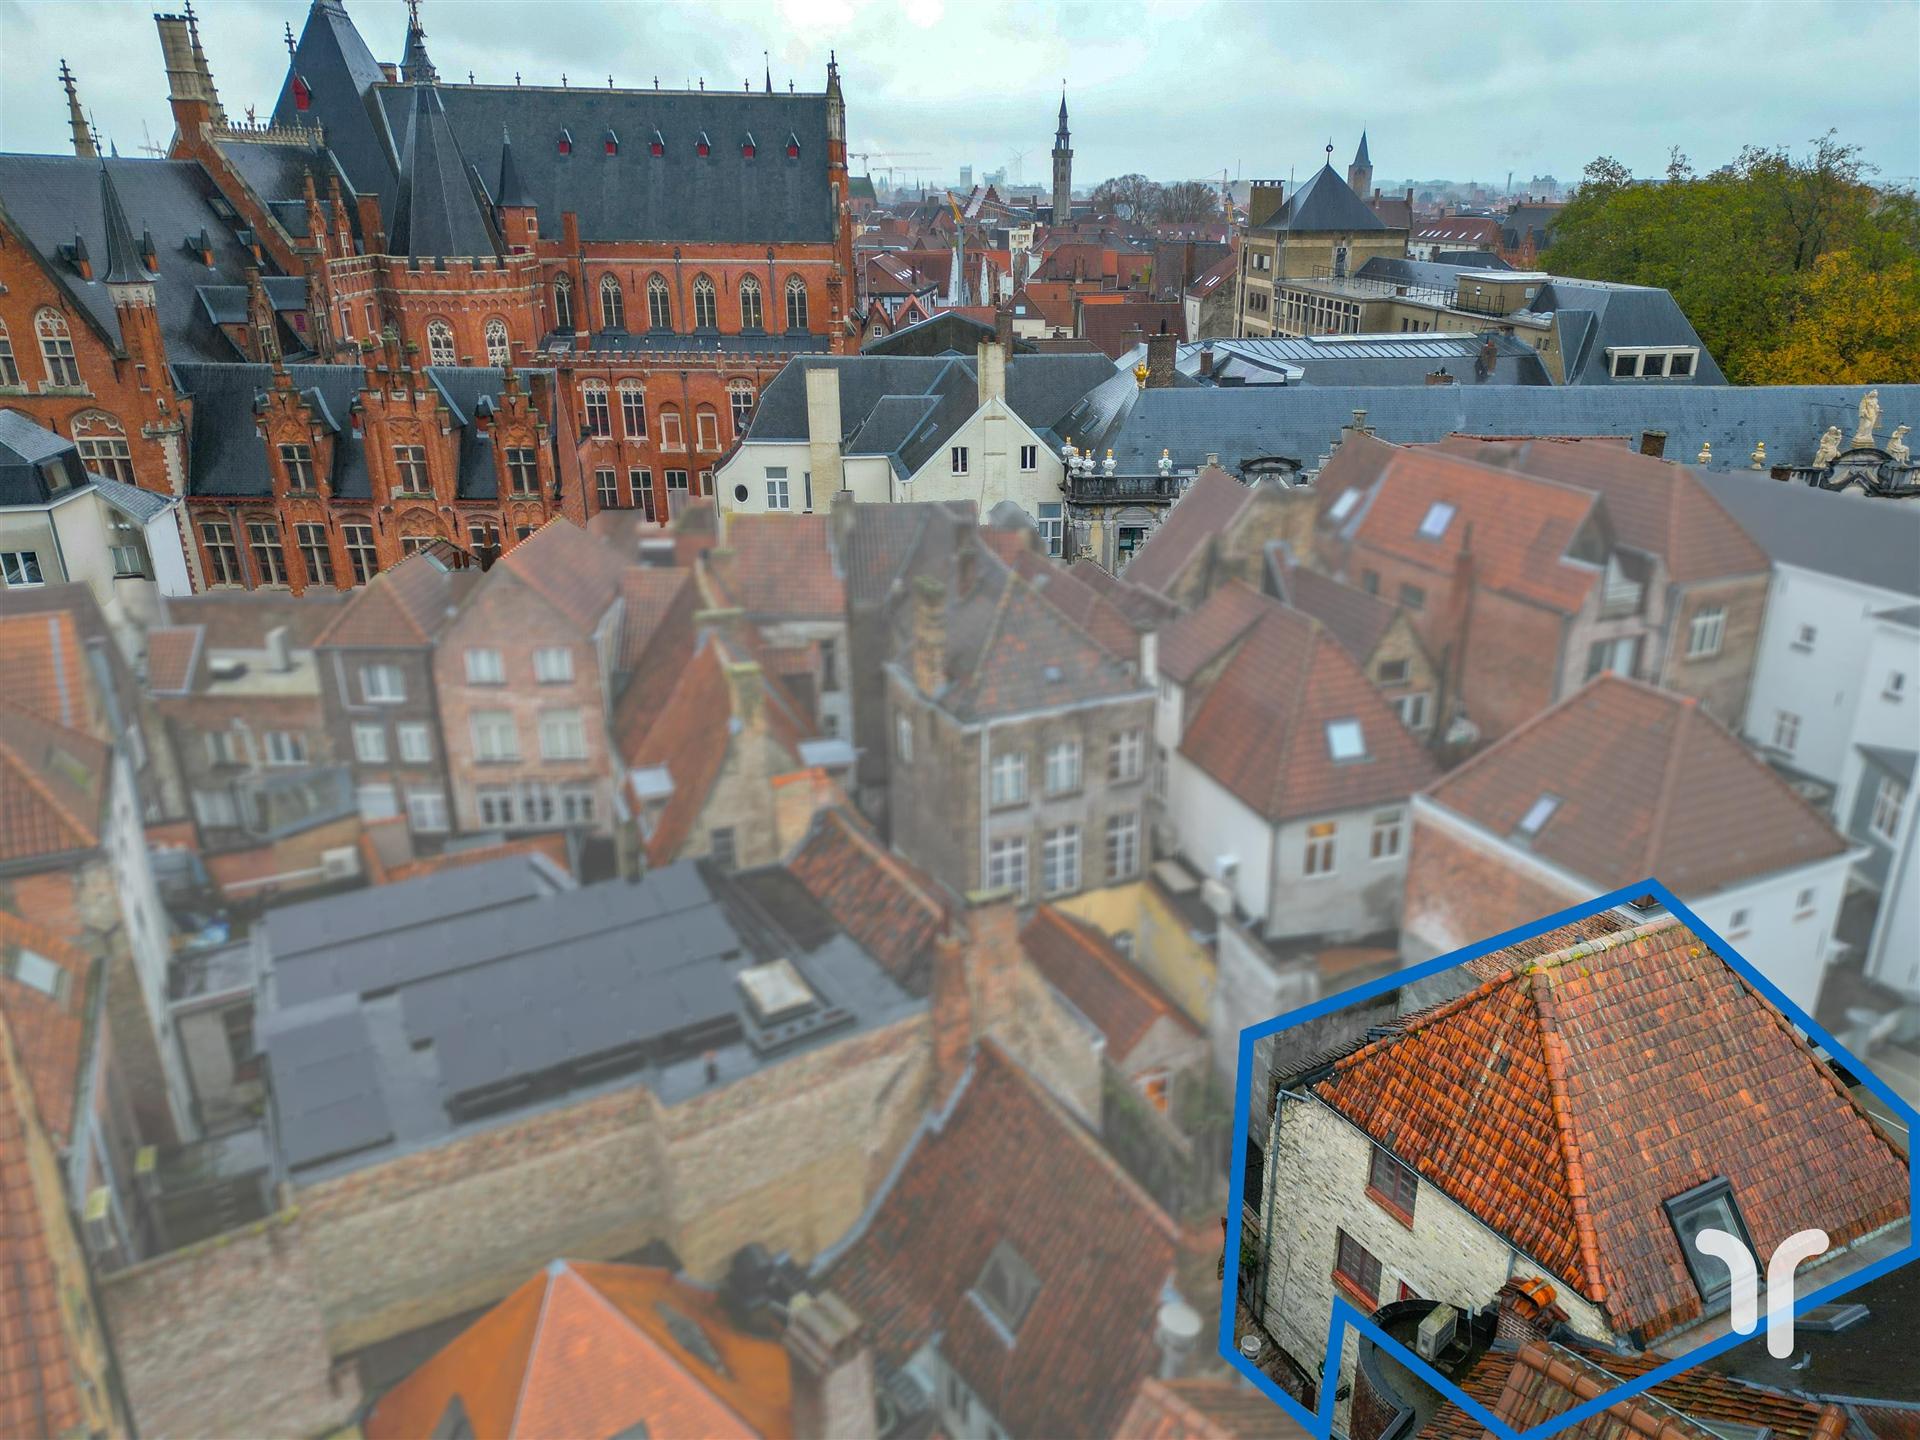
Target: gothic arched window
[[56, 349], [563, 303], [499, 349], [613, 304], [440, 343], [659, 307], [705, 311], [796, 304], [750, 314]]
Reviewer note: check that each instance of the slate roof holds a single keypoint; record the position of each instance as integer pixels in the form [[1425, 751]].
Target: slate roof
[[1564, 1102], [1100, 1248], [438, 206], [1648, 784], [1621, 315], [1305, 422], [54, 784], [29, 454], [47, 198], [408, 605], [39, 1394], [1529, 1383], [1205, 509], [1081, 963], [894, 910], [48, 1030], [1389, 359], [585, 1348], [1653, 505], [722, 198], [1849, 536], [341, 73], [1262, 729], [1325, 203]]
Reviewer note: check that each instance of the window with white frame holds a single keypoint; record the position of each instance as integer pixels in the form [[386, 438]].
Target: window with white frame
[[1053, 528], [1803, 903], [370, 744], [415, 743], [494, 736], [111, 456], [1007, 864], [796, 303], [1385, 841], [659, 306], [1060, 860], [1123, 846], [778, 497], [225, 747], [706, 308], [1738, 922], [1413, 709], [553, 665], [959, 459], [576, 804], [1896, 685], [485, 667], [427, 810], [752, 314], [9, 366], [1007, 778], [1888, 801], [633, 410], [606, 484], [1318, 857], [1063, 767], [440, 349], [903, 737], [706, 428], [21, 568], [1126, 751], [377, 802], [563, 735], [56, 349], [284, 747], [1705, 632], [740, 401], [1804, 637], [1786, 730], [383, 684], [1029, 457], [493, 804], [599, 417], [562, 303]]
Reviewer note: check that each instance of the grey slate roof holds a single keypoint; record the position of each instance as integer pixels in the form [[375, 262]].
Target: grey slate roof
[[1390, 359], [130, 500], [227, 304], [1622, 315], [27, 453], [394, 1018], [438, 206], [49, 197], [341, 73], [1324, 203], [1852, 537], [1303, 422], [1437, 274], [723, 198]]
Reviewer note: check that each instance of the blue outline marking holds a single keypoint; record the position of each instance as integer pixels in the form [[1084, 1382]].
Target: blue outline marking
[[1345, 1315]]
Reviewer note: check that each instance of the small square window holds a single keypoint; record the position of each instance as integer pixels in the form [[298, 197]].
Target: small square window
[[1413, 597], [1346, 740]]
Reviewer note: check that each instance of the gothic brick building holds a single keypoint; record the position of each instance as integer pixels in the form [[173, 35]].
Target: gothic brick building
[[403, 310]]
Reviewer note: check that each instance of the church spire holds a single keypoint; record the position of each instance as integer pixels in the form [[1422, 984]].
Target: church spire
[[1062, 166], [414, 64], [125, 264], [83, 145]]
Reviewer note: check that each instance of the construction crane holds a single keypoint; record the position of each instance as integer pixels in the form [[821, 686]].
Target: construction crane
[[887, 170]]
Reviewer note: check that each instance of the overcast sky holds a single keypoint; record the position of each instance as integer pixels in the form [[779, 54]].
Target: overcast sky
[[1175, 88]]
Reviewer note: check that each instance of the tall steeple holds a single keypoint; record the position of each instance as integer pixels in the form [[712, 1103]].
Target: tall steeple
[[1360, 172], [1062, 166], [83, 145], [414, 64]]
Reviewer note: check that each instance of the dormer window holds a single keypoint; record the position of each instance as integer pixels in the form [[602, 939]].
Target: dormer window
[[1439, 516], [612, 143], [702, 147], [1006, 1289], [302, 93], [793, 147], [747, 148], [565, 143], [658, 146]]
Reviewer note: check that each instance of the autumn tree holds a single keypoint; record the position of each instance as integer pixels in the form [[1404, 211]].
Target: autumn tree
[[1187, 201], [1132, 197]]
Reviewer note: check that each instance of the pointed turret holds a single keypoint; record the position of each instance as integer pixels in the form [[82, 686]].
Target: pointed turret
[[437, 208], [1360, 172], [125, 264], [512, 191], [769, 64], [414, 64], [83, 145]]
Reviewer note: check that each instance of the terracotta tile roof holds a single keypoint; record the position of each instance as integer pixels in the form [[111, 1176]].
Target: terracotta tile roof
[[1517, 529], [407, 605], [1359, 621], [1073, 597], [778, 567], [38, 1391], [1648, 784], [1026, 655], [1654, 505], [1543, 1379], [653, 660], [45, 667], [173, 658], [577, 573], [1204, 633], [1207, 508], [1563, 1102], [1081, 963], [1205, 1410], [594, 1349], [1099, 1248], [1010, 544], [892, 909], [53, 786], [47, 1029], [1262, 730], [651, 593], [1144, 609]]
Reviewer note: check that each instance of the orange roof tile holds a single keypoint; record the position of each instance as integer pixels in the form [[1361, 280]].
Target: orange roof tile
[[594, 1349], [173, 655], [1081, 963], [575, 572], [1205, 1410], [651, 594], [1099, 1247], [41, 656], [1562, 1102], [1262, 730], [1197, 638], [407, 605], [892, 909], [47, 1028], [1061, 587], [53, 786], [1648, 784], [1205, 509], [778, 566]]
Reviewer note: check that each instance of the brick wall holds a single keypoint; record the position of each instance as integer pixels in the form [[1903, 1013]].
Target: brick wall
[[1459, 891], [1720, 682]]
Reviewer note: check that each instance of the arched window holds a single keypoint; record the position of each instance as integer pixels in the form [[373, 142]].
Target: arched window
[[102, 442], [705, 311], [796, 304], [440, 343], [499, 349], [9, 369], [750, 316], [740, 398], [633, 411], [563, 303], [599, 419], [56, 348], [613, 304], [659, 308]]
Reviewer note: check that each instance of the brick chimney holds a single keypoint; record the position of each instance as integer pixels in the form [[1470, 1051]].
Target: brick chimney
[[952, 1013], [823, 428], [990, 362], [1161, 348], [1206, 360], [994, 957], [1003, 328], [832, 1369], [929, 635], [1654, 443], [1441, 376], [747, 689]]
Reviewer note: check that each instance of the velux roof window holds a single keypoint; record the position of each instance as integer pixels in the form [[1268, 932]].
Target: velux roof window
[[1439, 516], [1538, 814], [1343, 507], [1346, 740], [1006, 1288], [1707, 1207]]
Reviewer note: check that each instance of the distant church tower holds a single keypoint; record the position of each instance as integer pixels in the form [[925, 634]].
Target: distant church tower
[[1360, 172], [1062, 169]]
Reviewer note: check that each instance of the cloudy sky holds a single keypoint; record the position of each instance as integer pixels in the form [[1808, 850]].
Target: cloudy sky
[[1176, 88]]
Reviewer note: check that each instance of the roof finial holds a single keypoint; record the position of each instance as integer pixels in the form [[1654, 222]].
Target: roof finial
[[83, 142], [291, 46], [1329, 152], [768, 62]]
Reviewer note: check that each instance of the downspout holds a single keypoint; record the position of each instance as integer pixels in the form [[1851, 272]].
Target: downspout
[[1259, 1308]]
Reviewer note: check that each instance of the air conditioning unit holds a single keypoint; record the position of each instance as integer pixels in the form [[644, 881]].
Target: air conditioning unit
[[340, 863], [1436, 1332]]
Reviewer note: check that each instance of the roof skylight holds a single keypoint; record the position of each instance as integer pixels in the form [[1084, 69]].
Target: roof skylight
[[1538, 814], [1346, 740], [1439, 514]]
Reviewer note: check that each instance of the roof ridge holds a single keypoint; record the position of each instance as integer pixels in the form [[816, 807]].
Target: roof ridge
[[533, 1354], [884, 857], [1559, 1062], [89, 833], [1129, 974]]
